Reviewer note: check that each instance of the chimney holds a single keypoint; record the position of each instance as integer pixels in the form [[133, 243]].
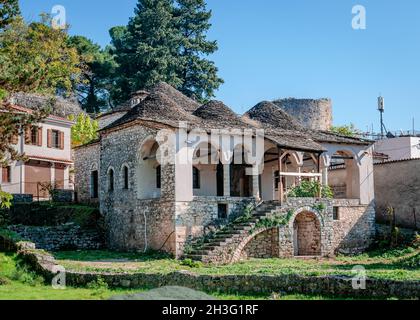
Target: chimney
[[137, 97]]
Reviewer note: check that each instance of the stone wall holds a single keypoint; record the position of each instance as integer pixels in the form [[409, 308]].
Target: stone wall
[[339, 286], [65, 237], [313, 114], [134, 224], [264, 245], [353, 232], [199, 217], [397, 185], [86, 160]]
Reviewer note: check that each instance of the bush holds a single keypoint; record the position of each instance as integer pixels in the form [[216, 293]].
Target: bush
[[190, 263], [311, 189], [23, 275]]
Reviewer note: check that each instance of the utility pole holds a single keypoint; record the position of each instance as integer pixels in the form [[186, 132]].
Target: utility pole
[[381, 108]]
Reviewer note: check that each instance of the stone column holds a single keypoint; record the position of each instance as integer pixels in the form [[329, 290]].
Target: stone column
[[256, 185], [325, 176], [226, 180]]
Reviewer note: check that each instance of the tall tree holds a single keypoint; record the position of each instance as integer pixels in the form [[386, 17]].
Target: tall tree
[[149, 51], [9, 9], [165, 41], [97, 67], [37, 58], [199, 75]]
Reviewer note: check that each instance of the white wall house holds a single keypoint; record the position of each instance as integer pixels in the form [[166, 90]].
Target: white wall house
[[47, 147], [399, 148]]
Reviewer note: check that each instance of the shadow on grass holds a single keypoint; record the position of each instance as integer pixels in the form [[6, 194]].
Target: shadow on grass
[[104, 256]]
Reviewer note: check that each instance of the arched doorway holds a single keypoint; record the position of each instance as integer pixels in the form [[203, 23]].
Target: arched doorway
[[307, 235]]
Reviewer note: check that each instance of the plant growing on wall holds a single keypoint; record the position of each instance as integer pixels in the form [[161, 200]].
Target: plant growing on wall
[[5, 200], [311, 189], [273, 222]]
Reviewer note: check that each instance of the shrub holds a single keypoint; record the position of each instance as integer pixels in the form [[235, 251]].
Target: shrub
[[311, 189], [99, 285], [190, 263]]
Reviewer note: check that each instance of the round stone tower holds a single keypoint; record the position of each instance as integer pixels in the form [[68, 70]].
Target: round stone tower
[[311, 113]]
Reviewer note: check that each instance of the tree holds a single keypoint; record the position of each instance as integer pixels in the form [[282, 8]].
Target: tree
[[98, 66], [9, 9], [84, 131], [165, 41], [199, 75], [148, 53], [37, 58], [346, 130]]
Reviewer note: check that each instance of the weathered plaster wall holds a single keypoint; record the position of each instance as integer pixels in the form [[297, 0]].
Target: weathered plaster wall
[[397, 185]]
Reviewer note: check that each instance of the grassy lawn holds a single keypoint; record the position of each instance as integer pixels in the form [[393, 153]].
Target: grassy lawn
[[398, 264], [16, 283]]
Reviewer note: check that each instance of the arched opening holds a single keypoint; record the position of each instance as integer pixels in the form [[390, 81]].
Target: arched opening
[[240, 181], [149, 178], [307, 235], [111, 183], [126, 179], [206, 181], [343, 175]]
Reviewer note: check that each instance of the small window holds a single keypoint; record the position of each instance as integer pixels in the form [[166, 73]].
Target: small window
[[222, 210], [111, 180], [196, 178], [55, 139], [125, 176], [158, 177], [94, 185], [336, 213], [34, 136], [6, 176]]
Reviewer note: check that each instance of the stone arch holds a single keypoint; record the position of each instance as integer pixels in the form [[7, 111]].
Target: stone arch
[[110, 174], [307, 237], [146, 170], [125, 174]]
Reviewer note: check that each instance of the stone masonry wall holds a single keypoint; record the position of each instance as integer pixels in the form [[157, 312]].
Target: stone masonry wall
[[199, 217], [264, 245], [352, 233], [65, 237], [86, 160], [313, 114], [134, 224]]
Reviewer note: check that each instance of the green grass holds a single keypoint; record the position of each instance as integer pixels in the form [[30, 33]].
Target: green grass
[[17, 283], [398, 264]]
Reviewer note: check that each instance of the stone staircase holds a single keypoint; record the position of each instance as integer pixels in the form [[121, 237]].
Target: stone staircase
[[209, 248]]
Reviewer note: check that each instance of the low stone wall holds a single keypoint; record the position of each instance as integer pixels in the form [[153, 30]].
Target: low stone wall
[[405, 235], [339, 286], [65, 237]]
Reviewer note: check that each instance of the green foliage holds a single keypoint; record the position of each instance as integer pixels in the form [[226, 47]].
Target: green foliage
[[84, 130], [247, 215], [9, 9], [37, 58], [165, 41], [99, 286], [273, 222], [10, 235], [311, 189], [190, 263], [346, 130], [319, 207], [23, 275], [98, 67], [5, 200]]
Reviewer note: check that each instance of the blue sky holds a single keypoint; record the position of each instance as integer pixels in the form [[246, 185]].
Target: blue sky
[[296, 48]]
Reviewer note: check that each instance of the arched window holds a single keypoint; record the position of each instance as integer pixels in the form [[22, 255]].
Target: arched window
[[196, 178], [158, 177], [111, 180], [125, 178]]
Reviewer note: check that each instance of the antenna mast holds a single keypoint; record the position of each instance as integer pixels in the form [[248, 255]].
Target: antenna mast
[[381, 108]]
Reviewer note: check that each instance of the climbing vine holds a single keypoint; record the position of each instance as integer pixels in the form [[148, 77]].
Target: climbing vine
[[273, 222]]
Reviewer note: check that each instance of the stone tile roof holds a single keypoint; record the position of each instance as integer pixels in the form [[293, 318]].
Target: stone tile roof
[[168, 106], [60, 107]]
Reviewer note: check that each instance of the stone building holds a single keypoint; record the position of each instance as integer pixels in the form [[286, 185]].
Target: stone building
[[167, 171]]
